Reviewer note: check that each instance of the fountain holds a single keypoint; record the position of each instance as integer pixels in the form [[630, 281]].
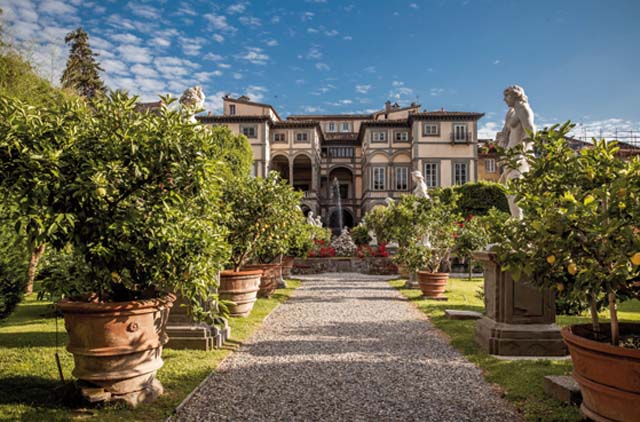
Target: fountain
[[335, 193]]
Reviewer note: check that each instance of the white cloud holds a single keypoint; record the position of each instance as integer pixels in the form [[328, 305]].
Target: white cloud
[[219, 22], [488, 130], [255, 92], [213, 57], [98, 42], [254, 55], [322, 66], [312, 109], [331, 33], [203, 77], [307, 16], [250, 21], [218, 38], [340, 103], [314, 53], [271, 42], [134, 54], [192, 46], [363, 89], [117, 67], [370, 69], [436, 92], [224, 65], [144, 11], [237, 8], [275, 19], [160, 42], [312, 30], [399, 90], [496, 62], [237, 76], [347, 38], [413, 6], [126, 38], [144, 71], [56, 7], [214, 102]]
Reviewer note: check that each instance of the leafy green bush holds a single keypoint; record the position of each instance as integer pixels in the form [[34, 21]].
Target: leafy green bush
[[476, 198], [137, 195], [14, 258], [581, 213], [360, 234]]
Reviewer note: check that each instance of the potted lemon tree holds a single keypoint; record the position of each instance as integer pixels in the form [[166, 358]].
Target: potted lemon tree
[[581, 213], [136, 198]]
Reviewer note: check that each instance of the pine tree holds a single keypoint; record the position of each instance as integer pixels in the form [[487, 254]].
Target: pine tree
[[81, 74]]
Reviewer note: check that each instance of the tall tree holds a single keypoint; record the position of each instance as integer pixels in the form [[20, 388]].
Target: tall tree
[[81, 74]]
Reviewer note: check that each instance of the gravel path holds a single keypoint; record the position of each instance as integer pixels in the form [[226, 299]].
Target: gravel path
[[346, 347]]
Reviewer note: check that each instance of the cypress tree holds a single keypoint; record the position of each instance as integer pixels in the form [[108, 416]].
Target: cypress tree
[[81, 74]]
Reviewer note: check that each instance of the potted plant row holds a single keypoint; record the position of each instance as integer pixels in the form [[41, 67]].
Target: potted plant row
[[134, 199], [580, 235]]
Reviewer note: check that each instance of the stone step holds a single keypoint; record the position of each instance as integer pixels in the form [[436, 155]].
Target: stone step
[[460, 315], [563, 387]]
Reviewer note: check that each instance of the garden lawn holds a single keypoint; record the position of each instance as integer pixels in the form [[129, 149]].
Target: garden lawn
[[522, 380], [29, 377]]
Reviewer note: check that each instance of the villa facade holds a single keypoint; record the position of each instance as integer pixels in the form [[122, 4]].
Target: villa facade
[[362, 158]]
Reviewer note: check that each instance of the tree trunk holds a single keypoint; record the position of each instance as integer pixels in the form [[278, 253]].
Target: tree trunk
[[615, 328], [594, 313], [36, 254]]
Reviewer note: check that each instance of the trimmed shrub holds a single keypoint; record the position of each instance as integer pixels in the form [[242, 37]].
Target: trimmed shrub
[[476, 198]]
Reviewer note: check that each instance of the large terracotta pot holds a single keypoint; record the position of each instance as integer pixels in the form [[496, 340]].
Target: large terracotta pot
[[240, 287], [287, 265], [433, 285], [118, 346], [269, 279], [609, 376]]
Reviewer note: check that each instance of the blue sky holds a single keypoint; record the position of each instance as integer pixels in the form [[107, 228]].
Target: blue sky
[[577, 59]]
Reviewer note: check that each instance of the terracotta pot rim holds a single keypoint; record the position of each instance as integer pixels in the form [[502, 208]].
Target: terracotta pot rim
[[434, 274], [271, 265], [74, 306], [606, 348], [231, 273]]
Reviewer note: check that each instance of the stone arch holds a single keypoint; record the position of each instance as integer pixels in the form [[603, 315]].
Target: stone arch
[[346, 182], [401, 158], [280, 163], [302, 172], [334, 220]]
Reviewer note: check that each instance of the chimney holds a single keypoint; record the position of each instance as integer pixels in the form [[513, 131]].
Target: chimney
[[387, 105]]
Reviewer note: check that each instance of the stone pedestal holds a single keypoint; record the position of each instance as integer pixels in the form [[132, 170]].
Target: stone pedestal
[[185, 334], [519, 318]]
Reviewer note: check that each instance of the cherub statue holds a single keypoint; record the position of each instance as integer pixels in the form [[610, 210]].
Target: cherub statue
[[517, 123], [420, 190], [319, 221], [193, 98], [310, 219]]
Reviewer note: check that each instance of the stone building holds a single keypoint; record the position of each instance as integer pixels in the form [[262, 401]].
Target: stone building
[[357, 160]]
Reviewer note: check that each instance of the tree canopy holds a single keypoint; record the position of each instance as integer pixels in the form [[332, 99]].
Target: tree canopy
[[81, 73]]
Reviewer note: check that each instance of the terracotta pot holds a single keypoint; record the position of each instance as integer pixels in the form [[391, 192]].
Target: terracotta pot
[[432, 285], [269, 279], [287, 265], [607, 375], [117, 346], [240, 287]]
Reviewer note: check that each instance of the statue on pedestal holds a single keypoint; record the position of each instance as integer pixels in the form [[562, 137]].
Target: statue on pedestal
[[420, 189], [192, 100], [517, 123], [314, 221]]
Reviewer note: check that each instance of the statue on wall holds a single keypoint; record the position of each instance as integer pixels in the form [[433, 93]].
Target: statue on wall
[[314, 221], [517, 123], [420, 189]]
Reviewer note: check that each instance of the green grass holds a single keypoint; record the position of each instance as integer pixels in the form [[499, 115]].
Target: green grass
[[521, 381], [30, 389]]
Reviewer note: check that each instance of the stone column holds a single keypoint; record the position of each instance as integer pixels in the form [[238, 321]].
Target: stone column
[[519, 318], [291, 172]]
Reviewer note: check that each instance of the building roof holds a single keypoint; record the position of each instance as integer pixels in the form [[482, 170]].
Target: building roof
[[385, 123], [446, 115], [233, 119], [245, 100], [329, 116]]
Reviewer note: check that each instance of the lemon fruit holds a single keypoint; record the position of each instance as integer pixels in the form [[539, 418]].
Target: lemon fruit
[[572, 269], [551, 259], [635, 259], [560, 287]]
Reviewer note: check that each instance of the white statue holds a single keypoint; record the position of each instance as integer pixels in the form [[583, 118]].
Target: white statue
[[310, 219], [389, 201], [420, 190], [318, 221], [193, 98], [518, 121]]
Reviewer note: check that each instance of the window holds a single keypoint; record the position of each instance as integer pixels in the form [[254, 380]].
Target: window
[[302, 137], [460, 173], [254, 169], [430, 129], [345, 127], [378, 178], [279, 137], [378, 136], [402, 178], [459, 133], [490, 165], [431, 175], [232, 109], [249, 131], [341, 152], [331, 127], [402, 136]]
